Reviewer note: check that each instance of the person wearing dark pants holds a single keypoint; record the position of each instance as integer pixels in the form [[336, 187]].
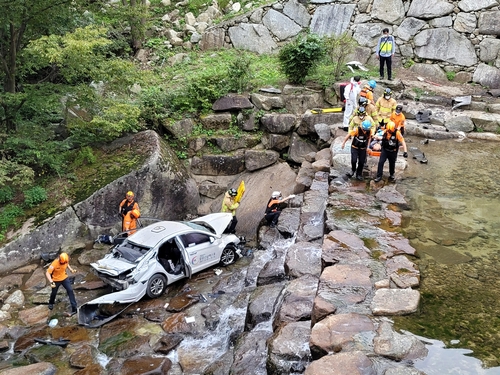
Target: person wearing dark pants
[[56, 275], [360, 141], [229, 204], [385, 51], [391, 140], [273, 208]]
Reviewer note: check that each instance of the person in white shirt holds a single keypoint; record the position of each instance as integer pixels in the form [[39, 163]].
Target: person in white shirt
[[351, 92]]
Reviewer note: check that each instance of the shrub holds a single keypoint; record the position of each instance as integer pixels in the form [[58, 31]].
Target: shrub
[[6, 194], [239, 73], [337, 49], [34, 196], [8, 216], [300, 57]]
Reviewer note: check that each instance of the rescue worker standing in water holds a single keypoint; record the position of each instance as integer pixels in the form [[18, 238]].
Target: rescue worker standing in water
[[129, 211], [360, 141], [56, 275], [391, 141], [230, 205]]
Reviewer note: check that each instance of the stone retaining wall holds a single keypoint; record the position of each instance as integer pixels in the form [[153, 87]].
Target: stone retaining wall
[[458, 36]]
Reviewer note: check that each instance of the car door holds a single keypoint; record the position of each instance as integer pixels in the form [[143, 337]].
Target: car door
[[201, 249]]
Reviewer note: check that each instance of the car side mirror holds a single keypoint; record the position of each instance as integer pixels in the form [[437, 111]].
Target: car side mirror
[[212, 239]]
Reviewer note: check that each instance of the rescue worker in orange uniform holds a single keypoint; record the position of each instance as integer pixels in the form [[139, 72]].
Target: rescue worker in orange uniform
[[399, 119], [56, 275], [229, 205], [360, 140], [386, 104], [273, 208], [129, 211], [367, 91], [391, 141]]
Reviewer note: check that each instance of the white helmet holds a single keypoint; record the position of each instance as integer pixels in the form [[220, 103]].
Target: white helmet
[[276, 194]]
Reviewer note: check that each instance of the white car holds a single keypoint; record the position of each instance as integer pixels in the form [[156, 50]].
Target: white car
[[160, 254]]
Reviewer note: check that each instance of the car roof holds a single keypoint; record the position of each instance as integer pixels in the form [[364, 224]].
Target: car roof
[[152, 234]]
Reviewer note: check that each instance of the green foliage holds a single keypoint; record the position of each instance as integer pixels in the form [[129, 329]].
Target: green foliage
[[34, 196], [8, 216], [15, 174], [85, 156], [112, 121], [300, 57], [337, 49], [6, 194], [239, 73], [408, 63], [75, 54], [450, 75]]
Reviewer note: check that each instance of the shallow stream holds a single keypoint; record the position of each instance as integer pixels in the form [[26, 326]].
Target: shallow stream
[[454, 223]]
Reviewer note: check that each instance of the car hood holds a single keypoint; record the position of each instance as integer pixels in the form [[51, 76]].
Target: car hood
[[112, 266], [218, 221]]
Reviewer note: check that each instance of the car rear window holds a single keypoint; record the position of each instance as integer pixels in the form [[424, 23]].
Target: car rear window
[[131, 251]]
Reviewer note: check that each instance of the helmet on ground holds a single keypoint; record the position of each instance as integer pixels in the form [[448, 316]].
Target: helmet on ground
[[362, 101], [366, 125], [362, 111], [276, 194], [390, 126], [130, 193], [63, 258], [372, 83], [387, 92], [233, 192], [399, 108]]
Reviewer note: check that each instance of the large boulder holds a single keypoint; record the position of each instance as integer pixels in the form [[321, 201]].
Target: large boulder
[[252, 37], [409, 27], [443, 44], [488, 22], [488, 76], [332, 19], [163, 188], [428, 9], [474, 5], [280, 25], [389, 11]]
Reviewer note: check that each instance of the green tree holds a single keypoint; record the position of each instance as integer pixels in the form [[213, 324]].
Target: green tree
[[338, 47], [22, 21]]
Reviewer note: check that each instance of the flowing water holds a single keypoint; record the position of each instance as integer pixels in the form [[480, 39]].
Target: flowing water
[[454, 224]]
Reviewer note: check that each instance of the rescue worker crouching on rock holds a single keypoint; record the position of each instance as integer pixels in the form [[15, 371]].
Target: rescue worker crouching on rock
[[56, 275], [129, 211], [273, 208], [360, 141], [386, 104], [391, 141], [229, 205]]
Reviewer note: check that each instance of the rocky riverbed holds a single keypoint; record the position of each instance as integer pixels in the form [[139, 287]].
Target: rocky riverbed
[[335, 263]]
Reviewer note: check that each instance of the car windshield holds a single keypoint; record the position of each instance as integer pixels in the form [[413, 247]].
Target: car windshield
[[131, 251], [200, 226]]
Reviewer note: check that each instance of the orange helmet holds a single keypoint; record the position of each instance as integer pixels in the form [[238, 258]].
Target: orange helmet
[[63, 258], [130, 193], [390, 126]]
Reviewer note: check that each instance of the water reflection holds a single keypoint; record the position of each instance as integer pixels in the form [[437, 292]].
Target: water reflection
[[453, 224]]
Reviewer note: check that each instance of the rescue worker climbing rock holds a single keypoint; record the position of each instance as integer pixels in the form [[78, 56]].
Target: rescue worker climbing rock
[[391, 141], [386, 104], [230, 205], [129, 211], [56, 275], [360, 141], [273, 208]]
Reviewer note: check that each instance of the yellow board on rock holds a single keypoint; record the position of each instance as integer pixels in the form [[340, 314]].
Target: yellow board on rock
[[318, 111], [241, 191]]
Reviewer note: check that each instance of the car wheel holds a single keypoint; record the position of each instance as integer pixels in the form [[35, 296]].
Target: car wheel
[[228, 255], [156, 286]]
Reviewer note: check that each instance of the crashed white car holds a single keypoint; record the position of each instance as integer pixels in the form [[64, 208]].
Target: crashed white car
[[160, 254]]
